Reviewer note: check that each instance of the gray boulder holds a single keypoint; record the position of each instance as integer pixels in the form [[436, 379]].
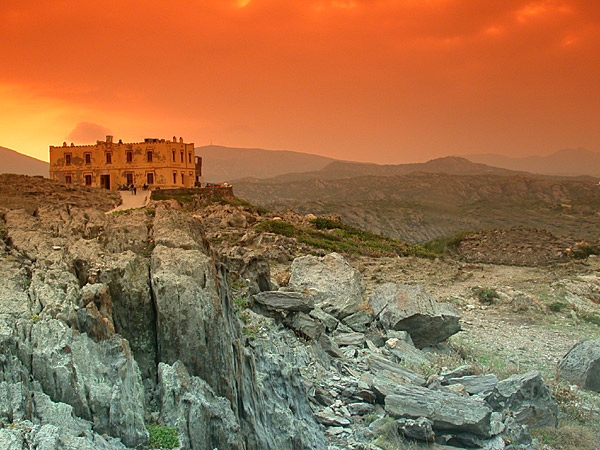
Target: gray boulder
[[285, 301], [446, 410], [335, 285], [526, 398], [410, 308], [581, 365]]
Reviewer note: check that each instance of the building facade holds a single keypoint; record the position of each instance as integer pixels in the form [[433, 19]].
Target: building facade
[[157, 163]]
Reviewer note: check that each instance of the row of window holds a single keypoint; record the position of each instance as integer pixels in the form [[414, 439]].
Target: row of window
[[128, 157], [88, 178]]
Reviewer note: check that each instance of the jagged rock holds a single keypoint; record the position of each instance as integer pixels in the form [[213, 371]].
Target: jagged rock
[[203, 420], [581, 365], [49, 426], [96, 319], [403, 351], [361, 408], [134, 314], [335, 285], [343, 339], [447, 411], [237, 219], [409, 308], [191, 324], [359, 321], [330, 347], [99, 380], [285, 301], [378, 363], [329, 418], [14, 284], [517, 434], [526, 398], [328, 320], [474, 384], [420, 429], [306, 325]]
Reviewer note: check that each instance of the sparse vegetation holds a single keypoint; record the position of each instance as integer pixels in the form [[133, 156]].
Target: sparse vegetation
[[336, 236], [584, 250], [251, 331], [162, 436], [183, 197], [485, 295], [446, 245]]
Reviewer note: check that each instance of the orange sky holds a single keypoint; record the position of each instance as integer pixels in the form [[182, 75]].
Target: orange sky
[[388, 81]]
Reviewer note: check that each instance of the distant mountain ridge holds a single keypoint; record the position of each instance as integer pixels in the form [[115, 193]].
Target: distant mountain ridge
[[15, 162], [221, 164], [566, 162], [452, 165]]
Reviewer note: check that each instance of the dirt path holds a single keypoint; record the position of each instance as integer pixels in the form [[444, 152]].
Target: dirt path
[[130, 200]]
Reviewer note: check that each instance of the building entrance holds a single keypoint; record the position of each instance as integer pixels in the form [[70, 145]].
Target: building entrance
[[105, 181]]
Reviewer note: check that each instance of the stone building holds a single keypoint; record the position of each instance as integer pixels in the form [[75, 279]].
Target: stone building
[[106, 164]]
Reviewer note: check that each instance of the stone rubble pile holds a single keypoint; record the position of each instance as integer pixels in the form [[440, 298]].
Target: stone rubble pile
[[362, 385]]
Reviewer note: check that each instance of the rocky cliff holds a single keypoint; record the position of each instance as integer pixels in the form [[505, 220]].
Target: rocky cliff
[[116, 320]]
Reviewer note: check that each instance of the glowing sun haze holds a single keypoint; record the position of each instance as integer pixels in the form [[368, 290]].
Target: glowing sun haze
[[386, 81]]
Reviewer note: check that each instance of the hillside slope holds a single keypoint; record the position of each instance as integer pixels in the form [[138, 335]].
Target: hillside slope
[[15, 162], [422, 206], [571, 162]]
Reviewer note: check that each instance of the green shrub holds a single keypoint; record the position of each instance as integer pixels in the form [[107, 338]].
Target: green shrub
[[162, 436], [446, 245], [485, 295], [584, 250], [590, 318], [557, 306]]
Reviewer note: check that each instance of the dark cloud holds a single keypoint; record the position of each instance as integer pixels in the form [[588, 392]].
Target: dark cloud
[[87, 132]]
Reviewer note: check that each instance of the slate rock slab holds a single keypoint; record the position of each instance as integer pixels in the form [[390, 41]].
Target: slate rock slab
[[446, 410], [285, 301]]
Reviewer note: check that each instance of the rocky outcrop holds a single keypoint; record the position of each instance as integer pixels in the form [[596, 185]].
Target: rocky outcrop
[[203, 420], [446, 410], [526, 398], [581, 365], [100, 381], [336, 287], [409, 308]]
